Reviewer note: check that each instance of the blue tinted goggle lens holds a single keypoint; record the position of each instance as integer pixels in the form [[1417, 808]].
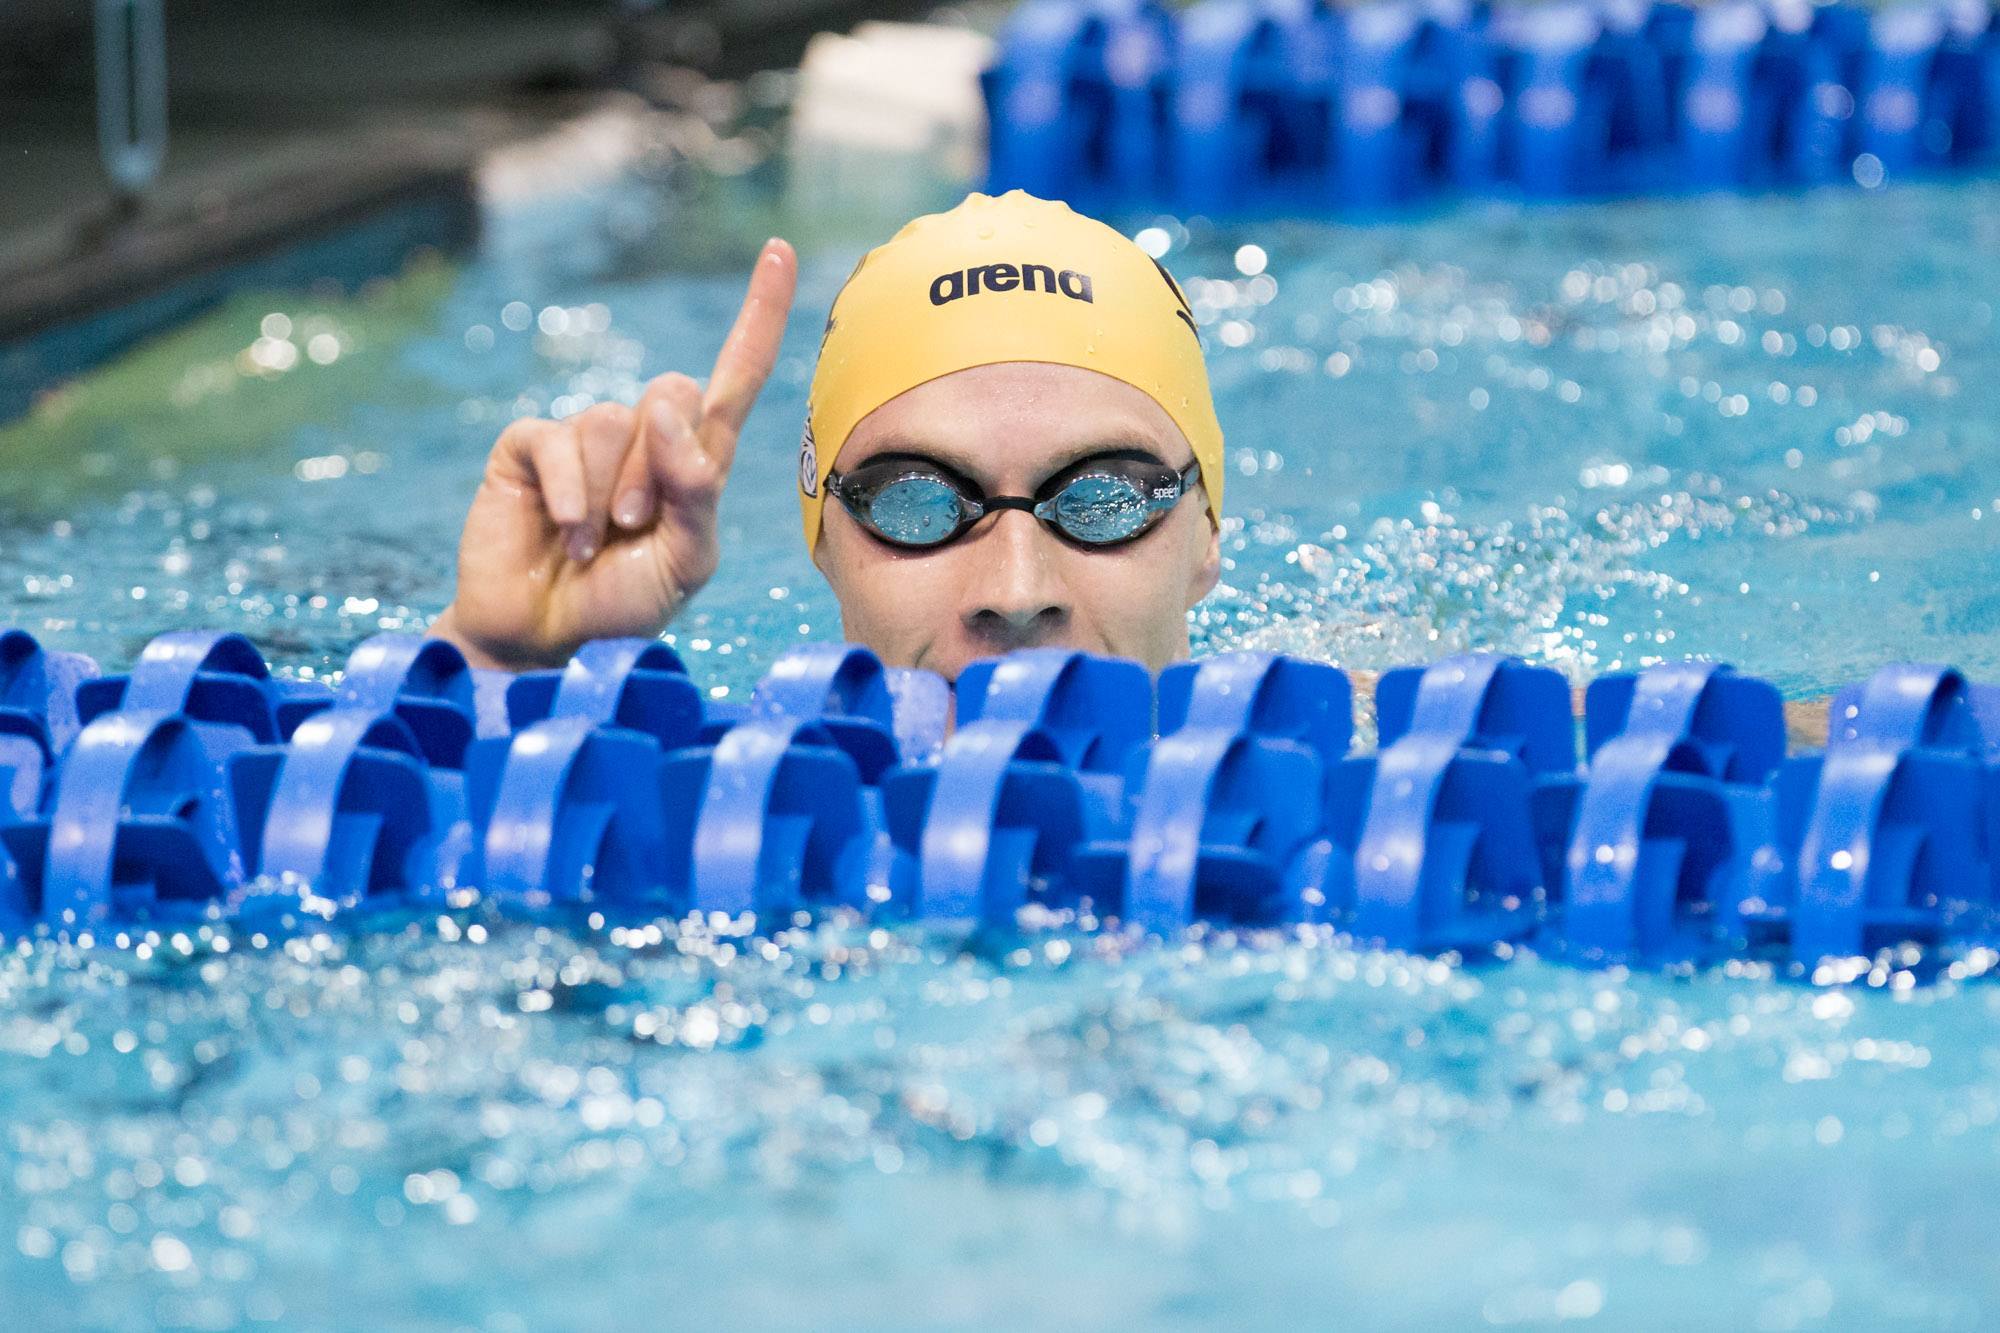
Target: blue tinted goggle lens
[[916, 510], [1098, 507]]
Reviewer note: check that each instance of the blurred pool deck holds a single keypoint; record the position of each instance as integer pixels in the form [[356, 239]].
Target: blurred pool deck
[[307, 142]]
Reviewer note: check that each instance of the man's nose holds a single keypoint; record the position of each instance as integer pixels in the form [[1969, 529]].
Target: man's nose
[[1015, 597]]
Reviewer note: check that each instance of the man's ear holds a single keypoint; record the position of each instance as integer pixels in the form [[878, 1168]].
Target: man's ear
[[1209, 571], [818, 551]]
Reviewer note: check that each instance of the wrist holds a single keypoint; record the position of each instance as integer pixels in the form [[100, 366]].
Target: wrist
[[484, 654]]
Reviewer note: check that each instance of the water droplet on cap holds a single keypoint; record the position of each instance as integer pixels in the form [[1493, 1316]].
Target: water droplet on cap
[[986, 233]]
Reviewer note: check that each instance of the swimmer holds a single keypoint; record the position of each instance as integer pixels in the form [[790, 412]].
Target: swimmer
[[1010, 414]]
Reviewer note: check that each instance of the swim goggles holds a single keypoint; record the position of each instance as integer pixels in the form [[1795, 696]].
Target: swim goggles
[[920, 504]]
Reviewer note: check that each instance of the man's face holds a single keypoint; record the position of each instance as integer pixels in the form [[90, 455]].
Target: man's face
[[1009, 582]]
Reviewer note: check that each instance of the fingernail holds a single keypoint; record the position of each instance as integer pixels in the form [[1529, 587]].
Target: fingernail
[[582, 546], [631, 509]]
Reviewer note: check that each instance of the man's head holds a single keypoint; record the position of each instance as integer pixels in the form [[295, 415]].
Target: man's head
[[997, 345]]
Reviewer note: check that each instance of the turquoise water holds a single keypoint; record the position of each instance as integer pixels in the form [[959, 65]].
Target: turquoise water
[[1761, 429]]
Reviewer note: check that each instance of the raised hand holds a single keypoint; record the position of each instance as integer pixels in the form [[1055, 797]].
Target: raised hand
[[604, 524]]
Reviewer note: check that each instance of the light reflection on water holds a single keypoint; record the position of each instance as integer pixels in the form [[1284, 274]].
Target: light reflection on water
[[1763, 429], [515, 1125]]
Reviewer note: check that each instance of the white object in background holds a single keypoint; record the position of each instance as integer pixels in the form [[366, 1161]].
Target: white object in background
[[586, 151], [888, 120]]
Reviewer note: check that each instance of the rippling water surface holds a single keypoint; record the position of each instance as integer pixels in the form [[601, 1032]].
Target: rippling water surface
[[472, 1123], [1766, 430]]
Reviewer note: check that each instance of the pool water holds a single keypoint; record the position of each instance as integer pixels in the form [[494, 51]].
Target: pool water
[[1763, 429]]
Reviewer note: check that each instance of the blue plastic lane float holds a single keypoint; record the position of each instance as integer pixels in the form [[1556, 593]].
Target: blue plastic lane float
[[1033, 769], [1675, 819], [1894, 825], [1927, 97], [139, 813], [37, 715], [784, 809], [1255, 106], [211, 677], [1468, 795], [201, 787], [1589, 106], [1228, 804], [1390, 83], [1766, 101], [1229, 84], [1969, 62], [1082, 98], [368, 795], [569, 805]]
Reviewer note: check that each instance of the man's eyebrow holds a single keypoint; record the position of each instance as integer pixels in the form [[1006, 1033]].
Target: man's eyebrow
[[1119, 440]]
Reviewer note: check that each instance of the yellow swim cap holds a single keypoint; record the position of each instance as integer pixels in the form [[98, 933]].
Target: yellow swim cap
[[1009, 279]]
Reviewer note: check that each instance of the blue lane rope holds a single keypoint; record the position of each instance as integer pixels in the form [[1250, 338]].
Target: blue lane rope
[[199, 786], [1291, 106]]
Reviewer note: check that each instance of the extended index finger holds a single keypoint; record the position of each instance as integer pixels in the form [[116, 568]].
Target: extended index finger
[[750, 350]]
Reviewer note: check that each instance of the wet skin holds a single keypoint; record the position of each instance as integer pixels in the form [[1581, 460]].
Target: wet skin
[[1009, 582]]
